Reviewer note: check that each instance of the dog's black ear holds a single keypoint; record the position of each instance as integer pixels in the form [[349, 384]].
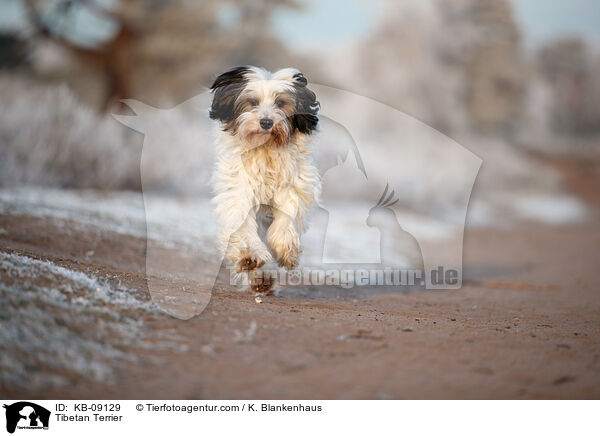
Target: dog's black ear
[[233, 76], [305, 119], [299, 79], [226, 88]]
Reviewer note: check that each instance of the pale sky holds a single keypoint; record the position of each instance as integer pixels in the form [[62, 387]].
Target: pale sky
[[340, 22], [544, 19]]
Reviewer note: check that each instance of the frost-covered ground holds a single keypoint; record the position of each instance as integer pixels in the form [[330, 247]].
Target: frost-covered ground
[[118, 211], [181, 230], [59, 324], [189, 220]]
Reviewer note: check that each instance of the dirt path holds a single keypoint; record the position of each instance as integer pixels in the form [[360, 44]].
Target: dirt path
[[525, 325]]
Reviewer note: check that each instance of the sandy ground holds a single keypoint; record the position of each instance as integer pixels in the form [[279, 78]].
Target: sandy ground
[[525, 324]]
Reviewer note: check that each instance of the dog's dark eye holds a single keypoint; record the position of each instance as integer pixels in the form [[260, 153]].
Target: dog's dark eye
[[280, 103], [253, 102]]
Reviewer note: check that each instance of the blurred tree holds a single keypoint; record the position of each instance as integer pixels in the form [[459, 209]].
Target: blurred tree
[[157, 50], [109, 57], [455, 64], [399, 64], [572, 71], [486, 47]]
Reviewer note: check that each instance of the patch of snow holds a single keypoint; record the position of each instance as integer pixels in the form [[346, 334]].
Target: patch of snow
[[550, 209], [171, 221], [58, 324]]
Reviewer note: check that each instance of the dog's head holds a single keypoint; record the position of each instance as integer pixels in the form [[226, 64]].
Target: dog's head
[[264, 108]]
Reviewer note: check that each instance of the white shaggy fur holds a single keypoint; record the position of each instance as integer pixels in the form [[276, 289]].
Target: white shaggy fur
[[264, 186]]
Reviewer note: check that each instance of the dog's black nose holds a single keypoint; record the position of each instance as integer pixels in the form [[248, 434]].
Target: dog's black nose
[[266, 123]]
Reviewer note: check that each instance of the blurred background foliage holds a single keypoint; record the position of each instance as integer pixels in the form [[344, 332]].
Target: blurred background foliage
[[463, 67]]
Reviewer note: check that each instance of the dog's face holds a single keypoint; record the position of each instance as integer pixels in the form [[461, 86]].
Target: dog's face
[[263, 108]]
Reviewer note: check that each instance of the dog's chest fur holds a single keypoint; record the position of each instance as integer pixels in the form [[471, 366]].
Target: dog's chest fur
[[281, 176], [271, 170]]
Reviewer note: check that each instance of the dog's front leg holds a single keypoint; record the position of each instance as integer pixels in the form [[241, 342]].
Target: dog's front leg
[[239, 230], [283, 235]]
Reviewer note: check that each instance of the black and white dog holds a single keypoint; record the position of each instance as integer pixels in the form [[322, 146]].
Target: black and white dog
[[265, 179]]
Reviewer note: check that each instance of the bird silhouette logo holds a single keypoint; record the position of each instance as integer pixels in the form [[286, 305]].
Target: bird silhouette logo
[[392, 236]]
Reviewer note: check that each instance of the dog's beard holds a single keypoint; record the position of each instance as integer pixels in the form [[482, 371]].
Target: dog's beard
[[254, 136]]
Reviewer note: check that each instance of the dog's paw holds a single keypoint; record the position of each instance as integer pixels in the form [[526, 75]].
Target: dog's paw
[[289, 260], [251, 261], [286, 247], [288, 253], [261, 283]]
